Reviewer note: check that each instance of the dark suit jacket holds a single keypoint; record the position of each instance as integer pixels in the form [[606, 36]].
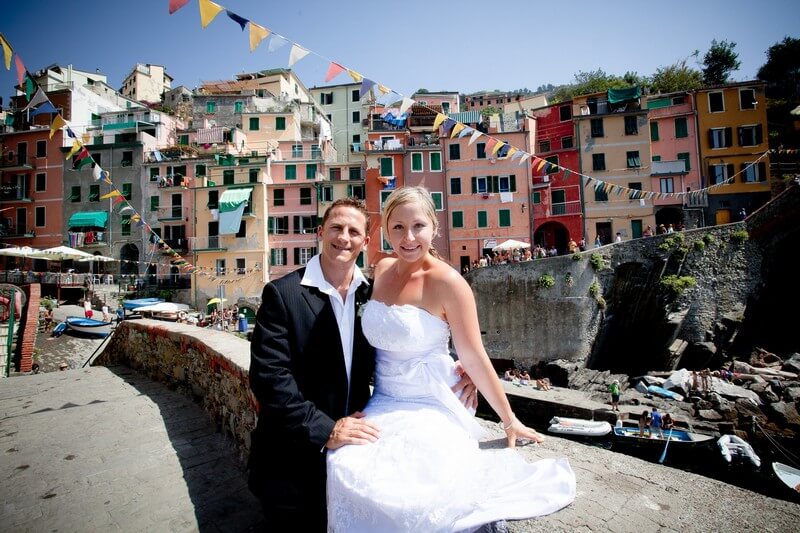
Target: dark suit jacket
[[298, 376]]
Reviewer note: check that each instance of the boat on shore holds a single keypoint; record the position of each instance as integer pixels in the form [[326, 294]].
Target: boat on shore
[[130, 305], [681, 437], [87, 326], [733, 447], [788, 475], [164, 311], [579, 427]]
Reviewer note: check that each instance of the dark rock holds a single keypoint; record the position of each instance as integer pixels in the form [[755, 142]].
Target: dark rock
[[709, 414], [784, 414], [759, 388], [792, 393], [792, 365], [704, 405], [748, 408], [559, 371]]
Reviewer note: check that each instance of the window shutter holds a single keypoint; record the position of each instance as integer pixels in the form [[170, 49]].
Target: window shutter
[[297, 256], [759, 134], [495, 184], [513, 180], [711, 138], [296, 224], [272, 256], [728, 137], [349, 190], [762, 170], [474, 184], [270, 224], [319, 194], [731, 170], [740, 132], [712, 177]]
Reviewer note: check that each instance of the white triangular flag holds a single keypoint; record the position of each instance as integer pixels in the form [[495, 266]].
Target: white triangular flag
[[474, 137], [297, 53], [407, 102]]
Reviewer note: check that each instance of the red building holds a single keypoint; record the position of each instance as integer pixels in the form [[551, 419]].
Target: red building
[[557, 214]]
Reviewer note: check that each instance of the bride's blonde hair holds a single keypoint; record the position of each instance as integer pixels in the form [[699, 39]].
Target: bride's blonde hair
[[411, 195]]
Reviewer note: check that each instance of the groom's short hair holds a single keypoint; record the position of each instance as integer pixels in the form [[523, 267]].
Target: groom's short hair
[[347, 201]]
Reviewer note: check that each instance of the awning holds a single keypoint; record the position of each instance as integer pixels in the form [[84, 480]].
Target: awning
[[616, 96], [233, 198], [95, 219], [467, 117]]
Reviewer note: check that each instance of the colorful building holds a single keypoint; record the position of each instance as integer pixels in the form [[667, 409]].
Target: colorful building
[[613, 140], [731, 126], [557, 211], [675, 162]]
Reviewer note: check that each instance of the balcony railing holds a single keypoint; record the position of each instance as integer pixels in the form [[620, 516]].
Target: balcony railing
[[557, 210], [207, 242], [179, 245], [15, 231], [393, 145], [88, 239], [699, 199], [174, 212]]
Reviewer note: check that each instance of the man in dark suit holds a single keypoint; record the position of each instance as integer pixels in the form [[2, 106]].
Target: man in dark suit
[[310, 369]]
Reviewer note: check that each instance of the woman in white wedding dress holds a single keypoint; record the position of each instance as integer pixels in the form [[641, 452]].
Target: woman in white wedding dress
[[426, 471]]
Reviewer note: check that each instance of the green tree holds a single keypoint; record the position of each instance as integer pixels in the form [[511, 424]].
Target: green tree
[[422, 90], [781, 72], [491, 110], [676, 77], [595, 81], [719, 62]]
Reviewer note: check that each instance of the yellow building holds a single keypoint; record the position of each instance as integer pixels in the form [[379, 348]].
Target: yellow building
[[731, 130], [614, 146]]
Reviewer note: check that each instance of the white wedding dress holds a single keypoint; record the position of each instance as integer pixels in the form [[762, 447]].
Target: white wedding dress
[[426, 473]]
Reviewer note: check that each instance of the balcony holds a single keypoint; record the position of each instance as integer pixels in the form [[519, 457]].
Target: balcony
[[659, 168], [8, 231], [695, 200], [14, 193], [88, 239], [392, 145], [180, 245], [174, 212], [207, 243], [557, 210], [15, 162]]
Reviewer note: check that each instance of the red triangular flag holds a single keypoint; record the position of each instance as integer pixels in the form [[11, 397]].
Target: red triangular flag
[[334, 69]]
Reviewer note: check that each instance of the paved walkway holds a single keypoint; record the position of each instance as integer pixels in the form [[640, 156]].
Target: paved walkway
[[104, 449]]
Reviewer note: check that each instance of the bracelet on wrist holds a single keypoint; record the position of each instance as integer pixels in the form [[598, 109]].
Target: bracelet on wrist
[[510, 423]]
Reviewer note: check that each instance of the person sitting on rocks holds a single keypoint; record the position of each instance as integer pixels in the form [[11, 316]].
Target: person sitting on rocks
[[667, 422], [510, 374], [524, 378], [543, 384]]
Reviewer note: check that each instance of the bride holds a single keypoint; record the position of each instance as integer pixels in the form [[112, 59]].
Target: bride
[[426, 471]]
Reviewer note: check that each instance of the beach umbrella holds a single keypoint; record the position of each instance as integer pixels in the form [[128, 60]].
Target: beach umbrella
[[60, 253], [509, 245], [99, 258], [213, 301]]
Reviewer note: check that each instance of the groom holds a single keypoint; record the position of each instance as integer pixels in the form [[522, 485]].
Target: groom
[[310, 368]]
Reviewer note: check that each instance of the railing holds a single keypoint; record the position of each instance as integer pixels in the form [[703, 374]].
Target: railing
[[698, 199], [383, 126], [557, 210], [71, 279], [393, 145], [15, 231], [97, 238], [181, 244], [207, 242], [174, 211]]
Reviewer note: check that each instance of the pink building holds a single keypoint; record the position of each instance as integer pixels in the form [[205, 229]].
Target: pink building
[[675, 159]]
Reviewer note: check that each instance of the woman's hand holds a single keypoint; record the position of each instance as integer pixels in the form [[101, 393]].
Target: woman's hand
[[517, 431]]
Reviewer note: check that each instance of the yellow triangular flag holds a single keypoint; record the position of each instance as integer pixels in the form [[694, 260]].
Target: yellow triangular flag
[[356, 76], [208, 10], [497, 147], [57, 124], [511, 151], [76, 145], [136, 217], [7, 51], [257, 34], [112, 194], [384, 89], [540, 164], [438, 120], [456, 129]]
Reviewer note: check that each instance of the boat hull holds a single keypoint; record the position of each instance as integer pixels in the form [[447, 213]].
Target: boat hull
[[789, 476], [733, 447], [88, 326], [579, 427], [677, 436], [130, 305]]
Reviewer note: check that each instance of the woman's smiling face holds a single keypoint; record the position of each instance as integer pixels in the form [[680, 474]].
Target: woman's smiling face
[[410, 231]]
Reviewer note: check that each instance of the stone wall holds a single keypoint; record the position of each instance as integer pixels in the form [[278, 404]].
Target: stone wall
[[212, 366], [636, 323]]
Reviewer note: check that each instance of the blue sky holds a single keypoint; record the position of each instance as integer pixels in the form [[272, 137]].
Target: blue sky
[[458, 46]]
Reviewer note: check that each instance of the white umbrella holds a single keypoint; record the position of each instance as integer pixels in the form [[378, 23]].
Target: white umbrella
[[59, 253], [510, 244], [99, 258], [24, 251]]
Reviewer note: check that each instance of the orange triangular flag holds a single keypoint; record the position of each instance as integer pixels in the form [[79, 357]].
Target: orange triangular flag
[[112, 194], [57, 124], [257, 34], [208, 10]]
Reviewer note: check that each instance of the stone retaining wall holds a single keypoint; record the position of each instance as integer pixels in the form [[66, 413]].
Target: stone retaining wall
[[211, 366]]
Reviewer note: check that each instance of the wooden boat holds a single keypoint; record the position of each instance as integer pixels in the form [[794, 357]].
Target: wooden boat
[[680, 437], [88, 325], [130, 305], [579, 427], [788, 475], [733, 448]]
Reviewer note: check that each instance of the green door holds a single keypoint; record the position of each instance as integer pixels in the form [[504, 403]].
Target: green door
[[636, 229]]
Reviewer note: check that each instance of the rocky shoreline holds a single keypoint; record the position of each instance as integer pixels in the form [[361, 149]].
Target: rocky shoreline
[[757, 400]]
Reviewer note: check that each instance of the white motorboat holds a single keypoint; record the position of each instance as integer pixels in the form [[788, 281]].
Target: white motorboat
[[788, 475], [579, 427], [734, 447]]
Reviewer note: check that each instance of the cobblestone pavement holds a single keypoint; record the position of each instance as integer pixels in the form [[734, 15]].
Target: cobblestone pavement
[[105, 449]]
